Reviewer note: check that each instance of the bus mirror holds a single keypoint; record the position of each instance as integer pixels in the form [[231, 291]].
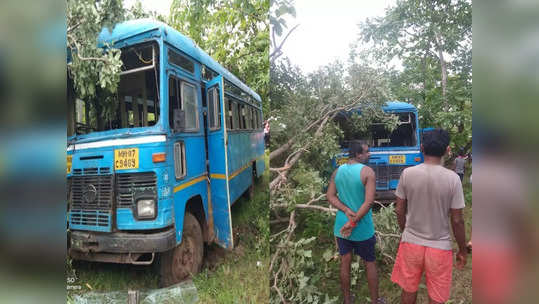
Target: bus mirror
[[179, 120]]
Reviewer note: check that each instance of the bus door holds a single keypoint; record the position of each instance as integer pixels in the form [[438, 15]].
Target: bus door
[[218, 164]]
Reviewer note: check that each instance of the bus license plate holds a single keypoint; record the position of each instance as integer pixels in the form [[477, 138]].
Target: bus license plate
[[69, 163], [342, 160], [397, 159], [126, 159]]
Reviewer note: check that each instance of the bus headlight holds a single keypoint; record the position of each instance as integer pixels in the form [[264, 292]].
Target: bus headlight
[[146, 208]]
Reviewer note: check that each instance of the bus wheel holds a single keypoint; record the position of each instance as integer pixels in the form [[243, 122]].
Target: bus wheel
[[184, 260]]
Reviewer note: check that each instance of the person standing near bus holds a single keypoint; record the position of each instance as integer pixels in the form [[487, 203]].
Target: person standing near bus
[[266, 132], [460, 164], [351, 190], [427, 196]]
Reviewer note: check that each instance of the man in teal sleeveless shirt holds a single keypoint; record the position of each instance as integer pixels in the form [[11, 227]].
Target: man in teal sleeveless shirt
[[351, 190]]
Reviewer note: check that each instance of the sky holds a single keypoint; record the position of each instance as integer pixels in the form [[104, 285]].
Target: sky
[[326, 29], [160, 6]]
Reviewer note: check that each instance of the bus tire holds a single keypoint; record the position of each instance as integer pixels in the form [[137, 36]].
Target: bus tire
[[184, 260]]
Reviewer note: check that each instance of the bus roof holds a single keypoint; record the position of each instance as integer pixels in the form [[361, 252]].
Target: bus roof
[[398, 106], [131, 28], [392, 106]]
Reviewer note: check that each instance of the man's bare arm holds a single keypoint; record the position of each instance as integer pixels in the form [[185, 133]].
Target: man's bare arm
[[400, 209], [457, 222], [369, 180], [334, 200]]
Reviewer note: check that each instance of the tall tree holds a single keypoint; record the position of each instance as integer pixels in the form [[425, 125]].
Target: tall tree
[[432, 39], [234, 32]]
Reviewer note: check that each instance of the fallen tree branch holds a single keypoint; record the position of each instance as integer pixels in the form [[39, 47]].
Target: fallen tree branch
[[279, 292], [388, 256], [319, 122], [291, 228], [279, 169], [305, 206], [278, 233], [388, 234]]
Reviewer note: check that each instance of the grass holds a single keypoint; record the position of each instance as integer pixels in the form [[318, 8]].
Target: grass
[[226, 277], [242, 275], [102, 277], [461, 289]]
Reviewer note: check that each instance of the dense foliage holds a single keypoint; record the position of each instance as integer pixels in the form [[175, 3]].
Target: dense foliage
[[304, 140], [95, 69], [89, 66], [432, 42], [234, 32]]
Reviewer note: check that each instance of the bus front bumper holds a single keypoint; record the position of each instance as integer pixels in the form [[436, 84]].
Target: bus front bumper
[[385, 195], [118, 247]]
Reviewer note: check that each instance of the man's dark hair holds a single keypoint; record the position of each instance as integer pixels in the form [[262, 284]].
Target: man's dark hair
[[356, 147], [435, 142]]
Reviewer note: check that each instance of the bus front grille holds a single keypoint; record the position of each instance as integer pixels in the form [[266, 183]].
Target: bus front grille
[[128, 185], [395, 171], [90, 199], [382, 175], [90, 218], [386, 173]]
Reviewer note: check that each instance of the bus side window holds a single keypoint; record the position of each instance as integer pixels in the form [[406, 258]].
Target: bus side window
[[218, 107], [248, 117], [253, 118], [179, 160], [235, 115], [242, 117], [173, 100], [211, 108], [238, 117], [229, 115], [214, 109], [189, 104]]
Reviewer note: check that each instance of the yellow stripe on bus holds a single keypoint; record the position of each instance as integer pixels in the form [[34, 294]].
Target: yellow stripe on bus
[[238, 171], [189, 183], [218, 176], [222, 176]]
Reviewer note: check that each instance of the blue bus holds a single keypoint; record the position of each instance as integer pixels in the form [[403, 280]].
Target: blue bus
[[391, 151], [152, 173]]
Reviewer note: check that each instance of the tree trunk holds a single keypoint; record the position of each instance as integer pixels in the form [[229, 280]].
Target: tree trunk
[[443, 65], [281, 149]]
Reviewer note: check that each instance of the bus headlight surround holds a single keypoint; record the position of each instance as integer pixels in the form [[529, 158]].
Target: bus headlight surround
[[146, 208]]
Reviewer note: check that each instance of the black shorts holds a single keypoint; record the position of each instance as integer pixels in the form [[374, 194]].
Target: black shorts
[[365, 249]]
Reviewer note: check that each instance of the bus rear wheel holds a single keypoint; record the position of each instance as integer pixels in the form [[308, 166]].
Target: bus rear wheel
[[185, 260]]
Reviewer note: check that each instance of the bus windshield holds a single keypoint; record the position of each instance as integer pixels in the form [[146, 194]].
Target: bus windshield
[[134, 105], [400, 134]]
